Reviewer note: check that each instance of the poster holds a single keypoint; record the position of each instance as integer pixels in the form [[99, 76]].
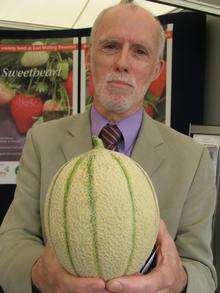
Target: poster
[[157, 102], [36, 85]]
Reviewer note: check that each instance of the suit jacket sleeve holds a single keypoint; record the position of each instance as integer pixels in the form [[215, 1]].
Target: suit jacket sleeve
[[195, 229], [20, 233]]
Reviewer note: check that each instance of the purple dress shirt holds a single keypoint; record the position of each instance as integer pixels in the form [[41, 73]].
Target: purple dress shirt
[[129, 128]]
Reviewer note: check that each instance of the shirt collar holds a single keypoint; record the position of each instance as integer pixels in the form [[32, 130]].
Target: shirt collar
[[129, 126]]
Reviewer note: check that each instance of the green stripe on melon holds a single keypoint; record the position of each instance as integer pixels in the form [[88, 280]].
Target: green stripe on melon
[[101, 215], [133, 211], [93, 217]]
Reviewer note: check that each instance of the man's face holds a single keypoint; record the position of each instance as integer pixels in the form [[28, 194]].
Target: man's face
[[124, 59]]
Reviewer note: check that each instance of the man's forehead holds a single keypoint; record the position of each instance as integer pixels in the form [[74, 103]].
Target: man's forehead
[[118, 23], [122, 35]]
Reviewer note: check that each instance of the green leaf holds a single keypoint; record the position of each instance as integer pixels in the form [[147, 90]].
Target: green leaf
[[64, 69], [41, 87]]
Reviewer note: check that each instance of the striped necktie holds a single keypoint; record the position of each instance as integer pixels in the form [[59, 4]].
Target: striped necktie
[[111, 136]]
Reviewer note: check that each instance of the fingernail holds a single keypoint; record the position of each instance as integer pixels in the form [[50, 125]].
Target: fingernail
[[115, 286]]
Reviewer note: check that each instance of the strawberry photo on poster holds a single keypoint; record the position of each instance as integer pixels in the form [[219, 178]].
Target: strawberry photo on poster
[[155, 96], [36, 85]]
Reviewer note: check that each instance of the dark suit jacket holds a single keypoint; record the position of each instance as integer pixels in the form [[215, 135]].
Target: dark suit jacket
[[179, 168]]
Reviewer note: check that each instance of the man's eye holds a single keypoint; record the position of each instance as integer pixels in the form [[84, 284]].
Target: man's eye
[[109, 47], [141, 52]]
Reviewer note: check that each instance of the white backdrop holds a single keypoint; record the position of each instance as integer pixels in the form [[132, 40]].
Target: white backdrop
[[52, 14]]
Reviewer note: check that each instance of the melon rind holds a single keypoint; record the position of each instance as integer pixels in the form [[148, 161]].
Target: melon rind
[[107, 223]]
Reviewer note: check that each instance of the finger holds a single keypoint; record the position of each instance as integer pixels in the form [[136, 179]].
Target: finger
[[162, 233], [152, 282], [156, 281], [165, 243], [84, 284], [130, 284]]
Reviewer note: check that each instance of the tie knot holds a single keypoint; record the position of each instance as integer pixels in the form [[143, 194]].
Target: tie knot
[[111, 136]]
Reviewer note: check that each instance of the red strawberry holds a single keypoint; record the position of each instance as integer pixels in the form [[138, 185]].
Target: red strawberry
[[90, 85], [52, 105], [158, 85], [68, 84], [24, 110]]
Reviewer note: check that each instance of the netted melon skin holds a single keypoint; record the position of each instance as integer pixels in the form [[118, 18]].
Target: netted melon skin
[[101, 215]]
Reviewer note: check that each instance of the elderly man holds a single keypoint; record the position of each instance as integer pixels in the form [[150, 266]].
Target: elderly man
[[124, 59]]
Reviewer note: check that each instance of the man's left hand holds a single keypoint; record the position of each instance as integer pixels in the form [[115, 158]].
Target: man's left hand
[[168, 275]]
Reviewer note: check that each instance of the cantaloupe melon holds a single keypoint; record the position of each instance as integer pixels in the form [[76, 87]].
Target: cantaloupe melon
[[101, 215]]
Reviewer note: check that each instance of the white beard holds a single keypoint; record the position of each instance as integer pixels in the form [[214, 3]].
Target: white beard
[[119, 100]]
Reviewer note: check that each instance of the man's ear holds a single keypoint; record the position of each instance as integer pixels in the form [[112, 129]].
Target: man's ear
[[158, 69]]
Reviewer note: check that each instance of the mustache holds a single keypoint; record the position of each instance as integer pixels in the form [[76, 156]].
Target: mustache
[[121, 77]]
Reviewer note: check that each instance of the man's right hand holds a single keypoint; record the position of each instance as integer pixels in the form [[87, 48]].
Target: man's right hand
[[49, 276]]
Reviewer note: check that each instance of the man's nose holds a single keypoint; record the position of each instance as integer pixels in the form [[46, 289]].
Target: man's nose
[[122, 61]]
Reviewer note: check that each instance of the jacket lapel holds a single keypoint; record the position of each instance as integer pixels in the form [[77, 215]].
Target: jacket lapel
[[150, 149], [78, 136]]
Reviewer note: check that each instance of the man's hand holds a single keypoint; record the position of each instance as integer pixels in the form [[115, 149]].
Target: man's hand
[[168, 275], [49, 276]]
